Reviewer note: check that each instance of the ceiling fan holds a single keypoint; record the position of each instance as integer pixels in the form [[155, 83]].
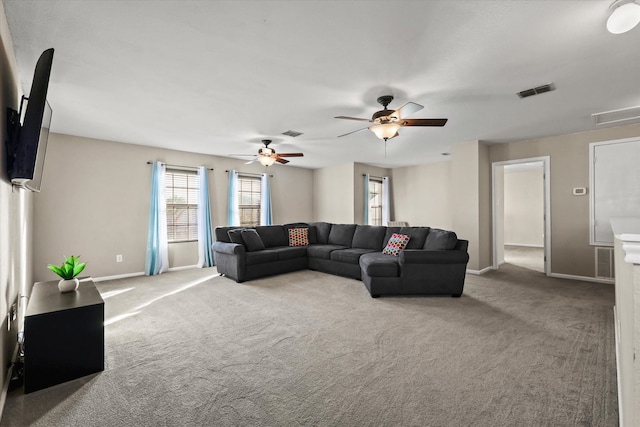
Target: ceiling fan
[[386, 123], [268, 156]]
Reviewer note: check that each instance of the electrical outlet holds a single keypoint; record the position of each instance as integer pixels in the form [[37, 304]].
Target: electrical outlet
[[119, 258]]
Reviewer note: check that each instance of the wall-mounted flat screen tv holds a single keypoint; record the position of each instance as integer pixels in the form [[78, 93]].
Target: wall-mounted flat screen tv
[[26, 166]]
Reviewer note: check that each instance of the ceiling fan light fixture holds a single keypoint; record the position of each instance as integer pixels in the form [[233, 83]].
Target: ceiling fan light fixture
[[385, 130], [266, 160], [625, 16]]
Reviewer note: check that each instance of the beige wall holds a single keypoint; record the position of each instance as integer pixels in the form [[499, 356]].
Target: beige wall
[[101, 190], [333, 194], [524, 207], [15, 211], [422, 195], [471, 199], [571, 253]]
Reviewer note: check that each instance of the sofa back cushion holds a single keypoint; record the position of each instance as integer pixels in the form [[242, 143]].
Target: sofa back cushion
[[273, 235], [438, 240], [368, 237], [341, 234], [322, 230], [388, 234], [235, 235], [252, 240], [418, 236], [221, 234]]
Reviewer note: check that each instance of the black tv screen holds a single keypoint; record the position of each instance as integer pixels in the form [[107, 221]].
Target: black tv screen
[[28, 162]]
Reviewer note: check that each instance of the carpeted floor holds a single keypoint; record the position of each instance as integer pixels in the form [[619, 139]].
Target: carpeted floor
[[306, 348]]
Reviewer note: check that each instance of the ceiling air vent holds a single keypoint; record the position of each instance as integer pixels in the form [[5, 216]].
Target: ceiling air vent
[[536, 90], [292, 133], [615, 116]]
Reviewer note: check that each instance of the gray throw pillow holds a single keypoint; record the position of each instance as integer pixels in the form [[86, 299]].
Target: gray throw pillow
[[235, 236], [252, 240]]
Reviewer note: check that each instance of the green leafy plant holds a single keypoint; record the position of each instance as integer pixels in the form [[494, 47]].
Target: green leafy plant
[[70, 269]]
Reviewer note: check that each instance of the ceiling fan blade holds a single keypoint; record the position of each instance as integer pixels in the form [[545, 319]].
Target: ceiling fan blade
[[406, 110], [345, 134], [290, 154], [282, 161], [241, 155], [352, 118], [423, 122], [251, 161]]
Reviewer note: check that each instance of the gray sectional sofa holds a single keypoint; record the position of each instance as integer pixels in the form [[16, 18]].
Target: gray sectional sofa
[[433, 262]]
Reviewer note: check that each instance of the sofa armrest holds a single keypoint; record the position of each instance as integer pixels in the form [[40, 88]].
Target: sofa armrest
[[420, 256], [228, 248]]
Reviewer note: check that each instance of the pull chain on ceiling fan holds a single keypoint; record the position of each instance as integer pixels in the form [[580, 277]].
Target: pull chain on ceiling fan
[[386, 123]]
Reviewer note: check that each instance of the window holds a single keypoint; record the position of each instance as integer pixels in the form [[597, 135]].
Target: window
[[181, 193], [249, 200], [375, 202]]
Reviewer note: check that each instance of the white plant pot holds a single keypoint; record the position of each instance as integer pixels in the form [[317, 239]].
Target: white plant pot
[[68, 285]]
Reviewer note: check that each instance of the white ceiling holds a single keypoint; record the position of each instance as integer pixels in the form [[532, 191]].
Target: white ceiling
[[215, 77]]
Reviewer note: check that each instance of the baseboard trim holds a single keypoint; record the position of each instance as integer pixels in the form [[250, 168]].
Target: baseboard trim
[[140, 273], [526, 245], [479, 272], [583, 278], [7, 380]]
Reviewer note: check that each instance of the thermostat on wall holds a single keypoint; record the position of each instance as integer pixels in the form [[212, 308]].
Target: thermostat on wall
[[579, 191]]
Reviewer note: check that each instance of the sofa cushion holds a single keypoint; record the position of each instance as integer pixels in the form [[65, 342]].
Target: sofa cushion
[[252, 240], [438, 240], [377, 264], [396, 243], [418, 236], [312, 230], [290, 252], [273, 235], [322, 230], [222, 234], [235, 236], [368, 237], [299, 236], [341, 234], [351, 256], [322, 251], [261, 257]]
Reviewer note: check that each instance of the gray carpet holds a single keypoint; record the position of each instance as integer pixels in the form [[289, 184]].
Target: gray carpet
[[306, 348]]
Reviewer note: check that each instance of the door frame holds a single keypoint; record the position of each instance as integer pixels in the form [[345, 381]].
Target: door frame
[[546, 178]]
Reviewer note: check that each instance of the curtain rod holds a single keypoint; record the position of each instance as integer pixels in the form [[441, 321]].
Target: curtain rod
[[247, 173], [179, 166], [373, 176]]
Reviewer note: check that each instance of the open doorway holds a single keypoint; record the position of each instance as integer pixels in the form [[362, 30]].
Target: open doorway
[[521, 226]]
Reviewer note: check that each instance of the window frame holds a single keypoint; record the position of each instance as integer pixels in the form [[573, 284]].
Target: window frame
[[191, 220], [375, 211], [255, 208]]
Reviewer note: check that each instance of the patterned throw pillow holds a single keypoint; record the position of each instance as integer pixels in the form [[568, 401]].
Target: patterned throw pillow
[[299, 236], [396, 243]]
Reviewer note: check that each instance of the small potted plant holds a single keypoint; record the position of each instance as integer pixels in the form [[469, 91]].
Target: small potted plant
[[68, 272]]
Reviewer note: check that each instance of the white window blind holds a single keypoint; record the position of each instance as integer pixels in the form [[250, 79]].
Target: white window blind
[[249, 190], [181, 192], [375, 202]]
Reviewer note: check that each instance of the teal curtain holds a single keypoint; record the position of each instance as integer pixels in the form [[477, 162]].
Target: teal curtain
[[233, 213], [266, 217], [365, 220], [205, 230], [157, 259]]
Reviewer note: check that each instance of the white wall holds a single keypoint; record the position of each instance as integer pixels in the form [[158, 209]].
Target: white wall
[[524, 207], [95, 202], [333, 194]]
